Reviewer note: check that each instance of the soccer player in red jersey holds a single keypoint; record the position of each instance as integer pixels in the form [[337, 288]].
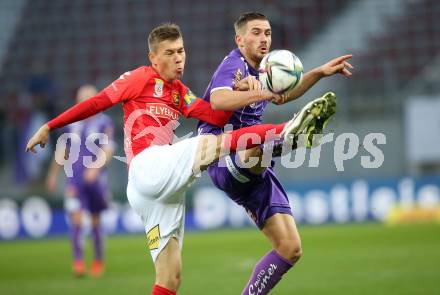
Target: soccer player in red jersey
[[153, 98]]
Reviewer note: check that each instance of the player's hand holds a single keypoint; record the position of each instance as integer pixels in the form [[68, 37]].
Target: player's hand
[[248, 83], [338, 65], [273, 97], [40, 137], [279, 99], [91, 175]]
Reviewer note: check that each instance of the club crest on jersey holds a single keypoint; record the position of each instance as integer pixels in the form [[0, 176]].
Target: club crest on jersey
[[189, 97], [153, 238], [175, 96], [158, 88], [237, 77]]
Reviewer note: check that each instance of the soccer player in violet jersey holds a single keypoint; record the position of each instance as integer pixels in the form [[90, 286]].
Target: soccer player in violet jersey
[[257, 189], [153, 98], [86, 188]]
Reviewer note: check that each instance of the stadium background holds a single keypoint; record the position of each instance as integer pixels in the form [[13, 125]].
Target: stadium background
[[49, 48]]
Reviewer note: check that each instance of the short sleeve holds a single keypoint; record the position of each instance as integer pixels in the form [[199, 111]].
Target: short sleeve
[[128, 86], [230, 71]]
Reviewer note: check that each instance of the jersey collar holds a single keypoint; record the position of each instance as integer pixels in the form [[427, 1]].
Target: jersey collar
[[252, 71], [156, 75]]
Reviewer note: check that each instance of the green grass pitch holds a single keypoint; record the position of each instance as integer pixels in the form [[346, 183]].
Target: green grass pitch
[[343, 259]]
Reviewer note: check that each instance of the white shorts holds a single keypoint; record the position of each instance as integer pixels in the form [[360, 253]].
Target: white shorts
[[158, 178]]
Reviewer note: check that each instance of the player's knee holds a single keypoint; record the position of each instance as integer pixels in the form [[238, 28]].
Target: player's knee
[[289, 249], [174, 281], [295, 253], [169, 280], [177, 279]]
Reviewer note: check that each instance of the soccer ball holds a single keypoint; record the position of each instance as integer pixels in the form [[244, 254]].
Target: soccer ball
[[280, 71]]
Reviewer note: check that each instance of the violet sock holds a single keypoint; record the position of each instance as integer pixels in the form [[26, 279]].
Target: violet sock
[[76, 240], [267, 273], [97, 235]]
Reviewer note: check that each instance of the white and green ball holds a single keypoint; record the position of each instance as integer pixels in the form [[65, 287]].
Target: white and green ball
[[280, 71]]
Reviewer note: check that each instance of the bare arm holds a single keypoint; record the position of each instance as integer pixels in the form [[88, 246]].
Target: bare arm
[[52, 176], [246, 92], [309, 79], [230, 100], [54, 170], [337, 65]]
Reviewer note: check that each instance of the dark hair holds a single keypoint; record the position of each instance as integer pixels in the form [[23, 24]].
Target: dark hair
[[167, 31], [244, 18]]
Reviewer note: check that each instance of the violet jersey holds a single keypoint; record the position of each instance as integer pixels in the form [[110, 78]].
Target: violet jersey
[[90, 135], [260, 194], [233, 69]]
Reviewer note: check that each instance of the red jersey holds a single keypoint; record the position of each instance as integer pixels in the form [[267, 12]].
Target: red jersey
[[151, 107]]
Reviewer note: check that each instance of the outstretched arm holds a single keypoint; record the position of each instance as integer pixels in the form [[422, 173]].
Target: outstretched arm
[[80, 111], [338, 65]]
